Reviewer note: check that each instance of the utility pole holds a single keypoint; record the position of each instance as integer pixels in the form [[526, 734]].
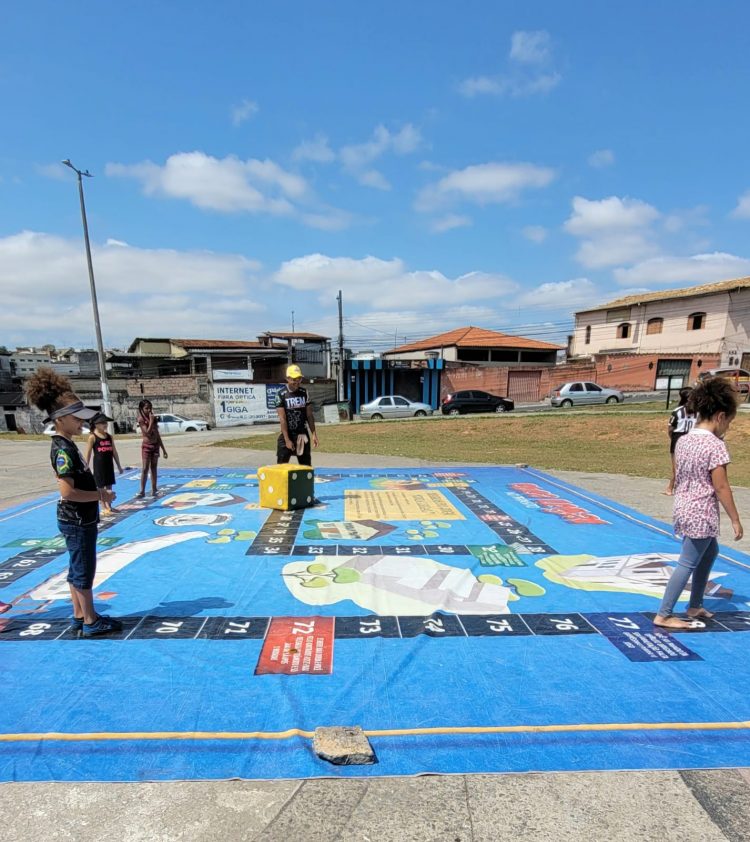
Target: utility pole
[[292, 321], [106, 402], [341, 346]]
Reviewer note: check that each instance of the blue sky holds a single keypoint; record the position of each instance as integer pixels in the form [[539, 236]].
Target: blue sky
[[447, 164]]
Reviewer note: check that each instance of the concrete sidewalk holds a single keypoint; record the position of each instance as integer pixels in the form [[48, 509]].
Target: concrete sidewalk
[[706, 805]]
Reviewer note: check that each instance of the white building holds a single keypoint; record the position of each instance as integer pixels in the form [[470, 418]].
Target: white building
[[707, 320], [25, 361]]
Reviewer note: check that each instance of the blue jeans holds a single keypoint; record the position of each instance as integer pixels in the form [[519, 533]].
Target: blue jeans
[[697, 558], [81, 544]]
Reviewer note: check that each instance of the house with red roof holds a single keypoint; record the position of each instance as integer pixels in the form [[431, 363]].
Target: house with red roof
[[480, 346], [467, 357]]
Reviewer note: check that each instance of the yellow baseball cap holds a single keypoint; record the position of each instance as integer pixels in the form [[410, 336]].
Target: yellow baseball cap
[[294, 372]]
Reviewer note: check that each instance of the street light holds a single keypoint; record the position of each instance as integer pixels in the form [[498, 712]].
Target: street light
[[100, 345]]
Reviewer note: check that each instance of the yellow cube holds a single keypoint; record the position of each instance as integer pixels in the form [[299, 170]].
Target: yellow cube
[[286, 486]]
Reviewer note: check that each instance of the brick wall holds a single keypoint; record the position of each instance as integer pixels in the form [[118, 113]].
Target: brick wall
[[637, 372], [185, 385], [493, 379], [628, 372]]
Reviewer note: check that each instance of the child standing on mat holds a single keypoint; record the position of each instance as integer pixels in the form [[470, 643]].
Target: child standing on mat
[[701, 460], [150, 446], [78, 506], [680, 422], [101, 445]]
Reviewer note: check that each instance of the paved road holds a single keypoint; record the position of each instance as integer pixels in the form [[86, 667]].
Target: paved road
[[711, 806]]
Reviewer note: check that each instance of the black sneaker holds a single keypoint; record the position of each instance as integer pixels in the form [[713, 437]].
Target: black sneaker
[[77, 622], [112, 620], [102, 626]]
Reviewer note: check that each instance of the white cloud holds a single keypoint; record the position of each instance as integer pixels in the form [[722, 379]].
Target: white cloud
[[591, 217], [317, 150], [244, 111], [615, 249], [373, 178], [560, 294], [431, 166], [529, 70], [397, 287], [327, 219], [684, 271], [221, 184], [742, 211], [689, 218], [530, 47], [476, 85], [357, 158], [232, 185], [158, 291], [501, 85], [57, 172], [390, 328], [449, 222], [612, 231], [601, 158], [535, 233], [491, 183]]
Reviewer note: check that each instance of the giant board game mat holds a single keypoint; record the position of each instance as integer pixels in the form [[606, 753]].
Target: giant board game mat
[[470, 620]]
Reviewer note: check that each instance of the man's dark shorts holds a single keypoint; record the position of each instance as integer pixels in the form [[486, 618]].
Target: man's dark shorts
[[284, 454], [81, 544]]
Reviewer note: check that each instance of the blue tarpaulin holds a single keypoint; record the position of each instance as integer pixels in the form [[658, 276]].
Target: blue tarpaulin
[[470, 620]]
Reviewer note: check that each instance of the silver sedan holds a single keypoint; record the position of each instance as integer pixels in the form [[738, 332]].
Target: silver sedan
[[393, 406], [583, 392]]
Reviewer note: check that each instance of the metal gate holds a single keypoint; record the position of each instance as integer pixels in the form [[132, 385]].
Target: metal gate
[[524, 386], [672, 373]]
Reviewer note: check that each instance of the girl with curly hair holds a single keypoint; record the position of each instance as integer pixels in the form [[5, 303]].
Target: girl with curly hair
[[78, 506], [701, 483]]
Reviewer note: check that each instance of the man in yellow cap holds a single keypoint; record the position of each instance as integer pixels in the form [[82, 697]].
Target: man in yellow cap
[[296, 417]]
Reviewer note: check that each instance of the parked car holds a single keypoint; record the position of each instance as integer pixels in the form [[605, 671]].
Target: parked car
[[583, 392], [49, 429], [472, 400], [178, 424], [738, 377], [393, 406]]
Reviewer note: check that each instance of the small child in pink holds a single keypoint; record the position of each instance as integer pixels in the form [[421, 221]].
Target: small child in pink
[[701, 460]]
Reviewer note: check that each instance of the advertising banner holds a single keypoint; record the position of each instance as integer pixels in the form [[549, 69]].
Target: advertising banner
[[244, 403]]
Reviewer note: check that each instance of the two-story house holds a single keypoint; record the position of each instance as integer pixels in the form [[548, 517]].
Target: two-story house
[[671, 333]]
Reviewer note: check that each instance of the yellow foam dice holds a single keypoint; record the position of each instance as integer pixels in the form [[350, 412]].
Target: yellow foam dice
[[286, 486]]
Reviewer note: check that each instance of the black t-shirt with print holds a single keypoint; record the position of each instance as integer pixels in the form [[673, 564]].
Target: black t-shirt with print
[[295, 405], [67, 463]]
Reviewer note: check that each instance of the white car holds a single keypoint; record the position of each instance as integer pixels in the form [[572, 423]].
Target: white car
[[393, 406], [49, 430], [178, 424]]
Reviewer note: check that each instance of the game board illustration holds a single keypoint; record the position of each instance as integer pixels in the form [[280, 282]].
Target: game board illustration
[[477, 619]]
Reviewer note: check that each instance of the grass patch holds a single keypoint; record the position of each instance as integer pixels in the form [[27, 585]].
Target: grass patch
[[570, 441]]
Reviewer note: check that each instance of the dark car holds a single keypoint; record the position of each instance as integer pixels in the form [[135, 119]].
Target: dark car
[[472, 400]]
